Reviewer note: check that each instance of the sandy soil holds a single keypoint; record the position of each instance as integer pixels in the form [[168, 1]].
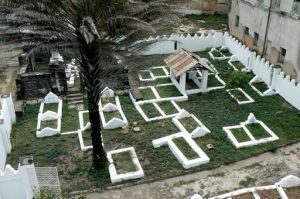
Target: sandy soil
[[8, 80], [265, 169]]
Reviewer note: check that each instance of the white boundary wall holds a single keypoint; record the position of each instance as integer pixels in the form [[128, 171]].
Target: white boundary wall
[[274, 78], [7, 118], [18, 184], [191, 43]]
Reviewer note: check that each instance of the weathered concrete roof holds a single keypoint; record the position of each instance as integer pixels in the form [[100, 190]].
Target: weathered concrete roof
[[183, 60]]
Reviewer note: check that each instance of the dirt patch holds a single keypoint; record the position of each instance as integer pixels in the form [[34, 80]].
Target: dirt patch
[[268, 194], [293, 192], [7, 80], [244, 196]]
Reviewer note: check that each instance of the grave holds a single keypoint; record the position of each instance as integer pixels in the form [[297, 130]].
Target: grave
[[250, 133]]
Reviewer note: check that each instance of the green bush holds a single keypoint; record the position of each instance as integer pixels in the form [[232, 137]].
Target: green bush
[[44, 194], [238, 79]]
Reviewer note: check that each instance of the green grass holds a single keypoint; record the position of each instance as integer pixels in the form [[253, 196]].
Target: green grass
[[112, 114], [168, 107], [163, 81], [150, 110], [86, 118], [238, 65], [185, 148], [168, 91], [105, 101], [216, 54], [86, 136], [211, 21], [215, 109], [226, 53], [239, 95], [261, 86], [51, 107], [49, 123], [257, 131], [240, 135], [158, 71], [145, 74], [147, 94], [249, 181], [213, 81], [123, 162], [189, 124]]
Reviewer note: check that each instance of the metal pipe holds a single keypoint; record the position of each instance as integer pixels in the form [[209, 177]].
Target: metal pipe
[[267, 28]]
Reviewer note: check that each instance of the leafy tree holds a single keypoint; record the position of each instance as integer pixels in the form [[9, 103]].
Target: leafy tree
[[96, 31]]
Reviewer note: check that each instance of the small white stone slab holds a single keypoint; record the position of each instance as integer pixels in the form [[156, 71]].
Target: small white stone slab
[[114, 176]]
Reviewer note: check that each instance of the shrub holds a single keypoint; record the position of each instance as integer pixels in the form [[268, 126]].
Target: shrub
[[44, 194], [238, 79]]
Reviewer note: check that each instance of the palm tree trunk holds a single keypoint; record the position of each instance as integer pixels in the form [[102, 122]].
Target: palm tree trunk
[[99, 156]]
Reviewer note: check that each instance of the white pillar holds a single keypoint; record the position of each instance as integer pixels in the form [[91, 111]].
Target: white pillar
[[204, 80], [182, 83]]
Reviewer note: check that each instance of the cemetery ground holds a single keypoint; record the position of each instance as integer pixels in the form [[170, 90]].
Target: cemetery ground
[[215, 109]]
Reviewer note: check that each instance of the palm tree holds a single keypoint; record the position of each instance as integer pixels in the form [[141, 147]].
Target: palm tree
[[96, 31]]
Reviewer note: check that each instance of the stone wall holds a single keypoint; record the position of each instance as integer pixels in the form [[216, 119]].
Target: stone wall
[[201, 6], [32, 85], [282, 31]]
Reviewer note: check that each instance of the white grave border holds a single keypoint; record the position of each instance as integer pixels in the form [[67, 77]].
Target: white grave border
[[184, 97], [153, 76], [253, 141], [50, 98], [114, 122], [219, 79], [81, 141], [179, 125], [250, 99], [82, 124], [186, 163], [163, 114], [114, 176], [278, 186], [267, 92], [47, 131], [217, 58]]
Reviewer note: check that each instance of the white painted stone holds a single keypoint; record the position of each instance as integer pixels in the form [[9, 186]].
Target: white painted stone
[[115, 123], [289, 181], [186, 163], [196, 196], [48, 115], [199, 132], [182, 114], [110, 107], [114, 176], [51, 98], [251, 119], [107, 93]]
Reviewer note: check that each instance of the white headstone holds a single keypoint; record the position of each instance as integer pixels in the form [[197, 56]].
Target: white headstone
[[183, 114], [107, 93], [251, 119], [234, 58], [223, 48], [290, 181], [51, 98], [110, 107], [196, 196], [115, 123], [198, 132], [49, 115]]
